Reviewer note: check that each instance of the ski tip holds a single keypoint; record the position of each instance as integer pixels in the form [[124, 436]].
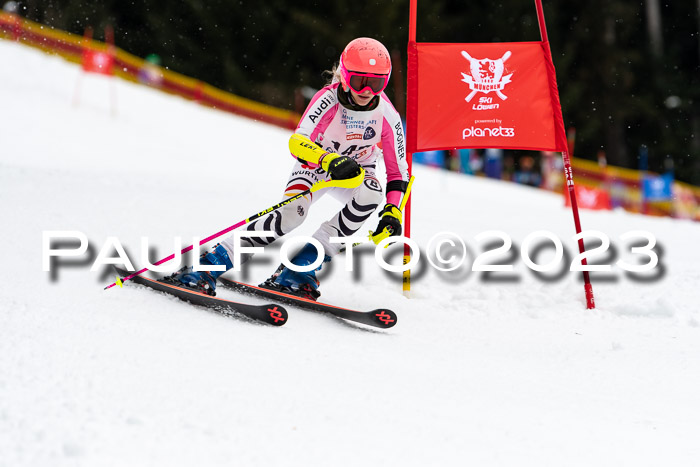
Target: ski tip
[[384, 318], [277, 315]]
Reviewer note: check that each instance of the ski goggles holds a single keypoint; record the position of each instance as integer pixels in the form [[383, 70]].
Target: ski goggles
[[359, 82]]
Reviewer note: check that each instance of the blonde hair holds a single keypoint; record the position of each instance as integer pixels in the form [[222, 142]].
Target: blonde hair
[[333, 75]]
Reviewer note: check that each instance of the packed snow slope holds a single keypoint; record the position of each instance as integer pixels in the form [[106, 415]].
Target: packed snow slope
[[500, 369]]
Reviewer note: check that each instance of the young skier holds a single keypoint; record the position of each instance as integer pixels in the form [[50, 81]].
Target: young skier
[[349, 118]]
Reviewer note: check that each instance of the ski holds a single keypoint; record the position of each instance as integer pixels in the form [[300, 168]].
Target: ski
[[381, 318], [272, 314]]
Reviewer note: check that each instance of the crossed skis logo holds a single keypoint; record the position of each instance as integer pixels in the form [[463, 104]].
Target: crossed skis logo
[[384, 317], [486, 75], [275, 314]]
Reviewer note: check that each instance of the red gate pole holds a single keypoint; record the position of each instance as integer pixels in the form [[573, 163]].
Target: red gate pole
[[568, 172], [84, 44], [411, 128], [112, 51]]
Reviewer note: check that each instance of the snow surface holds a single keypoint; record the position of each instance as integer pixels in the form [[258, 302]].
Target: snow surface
[[477, 372]]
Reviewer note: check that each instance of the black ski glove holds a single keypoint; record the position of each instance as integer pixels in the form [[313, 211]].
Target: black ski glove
[[390, 217], [340, 167]]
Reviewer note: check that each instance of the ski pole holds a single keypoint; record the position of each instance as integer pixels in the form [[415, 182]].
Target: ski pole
[[348, 183]]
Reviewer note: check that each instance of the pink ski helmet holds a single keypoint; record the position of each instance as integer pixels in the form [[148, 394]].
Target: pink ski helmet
[[365, 64]]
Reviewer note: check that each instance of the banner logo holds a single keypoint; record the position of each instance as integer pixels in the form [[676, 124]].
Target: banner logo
[[494, 132], [486, 75]]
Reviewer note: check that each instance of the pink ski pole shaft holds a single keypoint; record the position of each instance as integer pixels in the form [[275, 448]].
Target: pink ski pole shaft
[[349, 183]]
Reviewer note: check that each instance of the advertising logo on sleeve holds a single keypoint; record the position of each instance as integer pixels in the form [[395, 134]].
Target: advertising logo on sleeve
[[494, 95], [400, 147], [320, 107]]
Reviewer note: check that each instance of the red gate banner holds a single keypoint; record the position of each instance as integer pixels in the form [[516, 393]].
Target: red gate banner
[[97, 61], [589, 198], [493, 95]]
